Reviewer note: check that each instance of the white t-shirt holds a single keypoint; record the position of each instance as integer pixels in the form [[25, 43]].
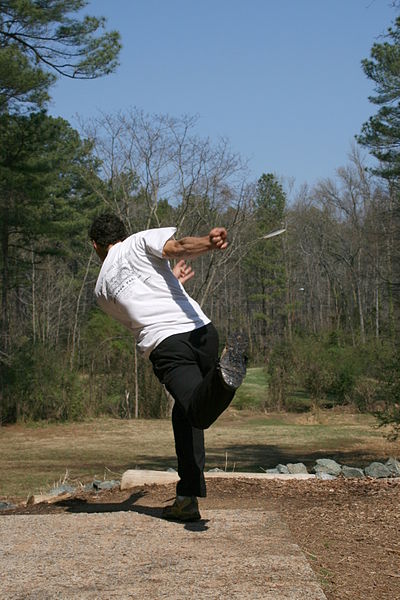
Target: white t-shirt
[[137, 287]]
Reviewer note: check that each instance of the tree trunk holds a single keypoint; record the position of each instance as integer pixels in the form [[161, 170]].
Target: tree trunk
[[359, 300], [78, 301], [136, 383], [4, 281], [360, 313], [33, 296], [377, 312]]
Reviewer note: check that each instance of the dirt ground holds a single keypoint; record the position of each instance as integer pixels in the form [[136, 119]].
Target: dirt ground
[[349, 530]]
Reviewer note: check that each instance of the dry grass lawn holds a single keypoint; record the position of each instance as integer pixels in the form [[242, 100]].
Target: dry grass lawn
[[33, 458]]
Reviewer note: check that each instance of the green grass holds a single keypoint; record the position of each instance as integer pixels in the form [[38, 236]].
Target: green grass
[[33, 458], [298, 401], [253, 393]]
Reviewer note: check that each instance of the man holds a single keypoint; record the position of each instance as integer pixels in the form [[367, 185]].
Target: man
[[137, 287]]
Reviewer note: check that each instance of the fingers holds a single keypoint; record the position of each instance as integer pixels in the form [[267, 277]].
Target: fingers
[[177, 268], [221, 244], [219, 238], [184, 277], [182, 271]]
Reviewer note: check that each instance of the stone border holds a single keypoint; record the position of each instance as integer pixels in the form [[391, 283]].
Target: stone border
[[324, 468], [136, 477]]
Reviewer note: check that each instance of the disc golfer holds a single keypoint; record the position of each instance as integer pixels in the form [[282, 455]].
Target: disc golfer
[[137, 286]]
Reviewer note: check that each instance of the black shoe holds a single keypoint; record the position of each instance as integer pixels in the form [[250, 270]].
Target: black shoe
[[186, 509], [232, 364]]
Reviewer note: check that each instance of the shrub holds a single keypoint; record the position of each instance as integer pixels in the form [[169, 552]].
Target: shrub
[[280, 371], [108, 356], [39, 385], [388, 396], [330, 370]]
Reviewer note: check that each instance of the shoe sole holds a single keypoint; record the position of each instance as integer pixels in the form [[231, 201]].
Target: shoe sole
[[233, 360], [188, 519]]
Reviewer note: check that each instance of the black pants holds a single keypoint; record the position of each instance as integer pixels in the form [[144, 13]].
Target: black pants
[[186, 364]]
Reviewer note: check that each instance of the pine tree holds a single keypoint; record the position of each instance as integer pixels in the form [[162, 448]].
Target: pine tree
[[264, 263], [41, 40], [381, 133], [42, 193]]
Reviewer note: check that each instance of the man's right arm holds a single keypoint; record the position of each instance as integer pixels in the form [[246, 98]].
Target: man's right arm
[[190, 247]]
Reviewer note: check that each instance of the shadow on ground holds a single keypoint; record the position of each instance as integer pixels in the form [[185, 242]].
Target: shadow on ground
[[255, 458], [80, 505]]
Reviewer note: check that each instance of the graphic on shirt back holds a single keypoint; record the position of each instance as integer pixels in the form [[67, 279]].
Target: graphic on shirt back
[[120, 277]]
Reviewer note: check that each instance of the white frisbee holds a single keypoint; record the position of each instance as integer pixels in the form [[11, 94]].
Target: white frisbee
[[273, 233]]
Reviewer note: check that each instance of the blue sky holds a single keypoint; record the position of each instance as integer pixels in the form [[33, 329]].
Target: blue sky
[[281, 79]]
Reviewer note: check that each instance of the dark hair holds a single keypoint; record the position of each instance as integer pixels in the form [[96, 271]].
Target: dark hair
[[107, 229]]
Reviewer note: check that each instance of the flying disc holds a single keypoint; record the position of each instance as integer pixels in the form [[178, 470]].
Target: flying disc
[[273, 233]]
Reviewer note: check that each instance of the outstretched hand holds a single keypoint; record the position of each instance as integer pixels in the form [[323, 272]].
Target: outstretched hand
[[182, 271], [218, 238]]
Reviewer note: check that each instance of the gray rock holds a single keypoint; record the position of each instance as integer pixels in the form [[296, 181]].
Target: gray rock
[[106, 485], [88, 487], [272, 471], [296, 468], [6, 505], [64, 488], [216, 470], [394, 466], [327, 465], [171, 470], [352, 472], [325, 476], [282, 469], [377, 470]]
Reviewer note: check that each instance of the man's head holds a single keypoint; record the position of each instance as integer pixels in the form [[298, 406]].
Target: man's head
[[107, 229]]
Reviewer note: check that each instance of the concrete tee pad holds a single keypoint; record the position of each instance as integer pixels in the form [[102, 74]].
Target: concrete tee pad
[[235, 554]]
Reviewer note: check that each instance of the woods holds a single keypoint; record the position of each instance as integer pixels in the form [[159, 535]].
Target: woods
[[320, 303]]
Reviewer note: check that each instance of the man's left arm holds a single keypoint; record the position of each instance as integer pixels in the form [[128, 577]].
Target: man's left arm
[[190, 247]]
